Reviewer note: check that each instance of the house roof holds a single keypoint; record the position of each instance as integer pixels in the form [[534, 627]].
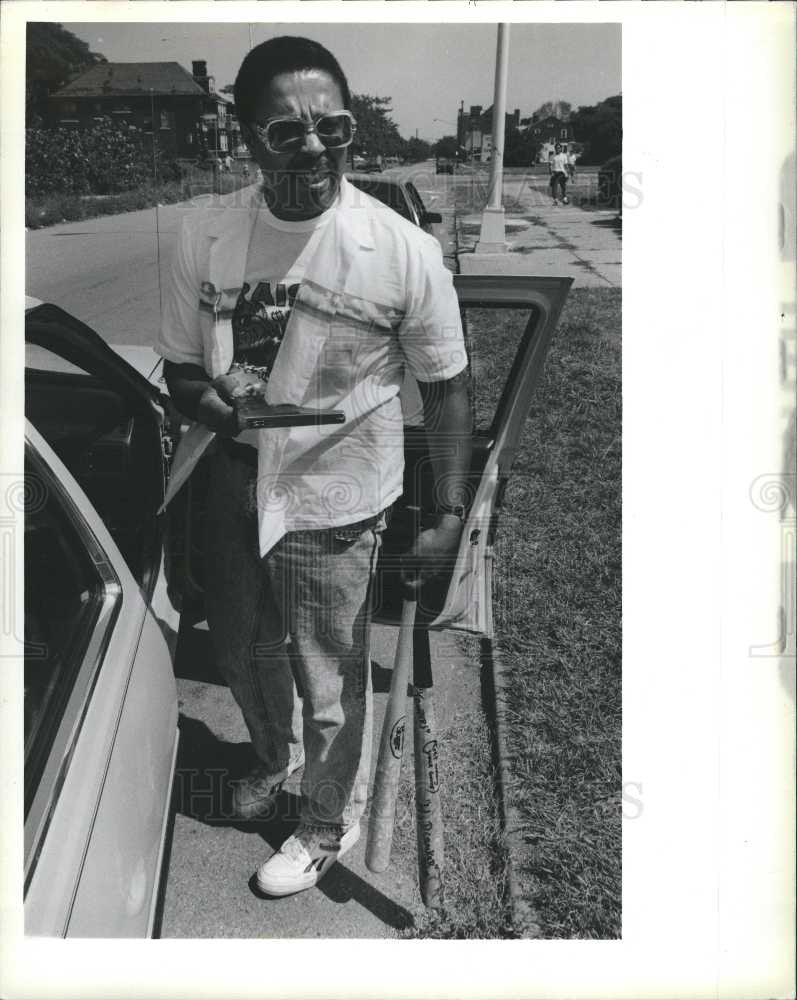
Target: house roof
[[133, 78]]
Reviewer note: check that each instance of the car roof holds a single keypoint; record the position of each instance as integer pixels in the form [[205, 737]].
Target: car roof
[[389, 190]]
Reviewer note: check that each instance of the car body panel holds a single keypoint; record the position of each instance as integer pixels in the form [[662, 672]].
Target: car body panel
[[124, 856]]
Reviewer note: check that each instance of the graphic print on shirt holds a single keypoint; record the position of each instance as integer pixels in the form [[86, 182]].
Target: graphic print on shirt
[[258, 322]]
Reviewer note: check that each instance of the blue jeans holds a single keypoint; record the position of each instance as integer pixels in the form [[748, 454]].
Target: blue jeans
[[300, 617]]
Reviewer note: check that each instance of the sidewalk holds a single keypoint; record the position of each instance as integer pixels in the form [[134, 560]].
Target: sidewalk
[[547, 239], [209, 891]]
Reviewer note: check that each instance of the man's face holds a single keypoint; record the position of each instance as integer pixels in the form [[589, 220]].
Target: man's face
[[305, 182]]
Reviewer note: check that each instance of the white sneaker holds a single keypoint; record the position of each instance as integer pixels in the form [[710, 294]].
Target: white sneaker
[[303, 860]]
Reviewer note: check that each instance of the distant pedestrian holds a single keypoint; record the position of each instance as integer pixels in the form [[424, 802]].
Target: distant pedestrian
[[228, 163], [558, 168]]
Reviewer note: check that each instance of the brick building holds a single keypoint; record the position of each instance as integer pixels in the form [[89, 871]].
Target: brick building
[[161, 98], [475, 131]]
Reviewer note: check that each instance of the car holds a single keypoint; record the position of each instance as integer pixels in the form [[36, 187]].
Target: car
[[444, 165], [110, 585], [402, 196], [100, 702]]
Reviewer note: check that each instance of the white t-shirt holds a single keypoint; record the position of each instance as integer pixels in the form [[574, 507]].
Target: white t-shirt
[[275, 265], [375, 300], [559, 163]]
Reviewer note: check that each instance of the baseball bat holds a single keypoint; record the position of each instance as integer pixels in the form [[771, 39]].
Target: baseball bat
[[391, 749], [428, 812]]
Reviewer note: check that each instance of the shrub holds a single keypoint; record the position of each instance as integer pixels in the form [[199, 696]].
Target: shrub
[[104, 159]]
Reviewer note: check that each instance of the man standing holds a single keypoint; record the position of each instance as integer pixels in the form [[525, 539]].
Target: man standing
[[312, 286], [558, 168]]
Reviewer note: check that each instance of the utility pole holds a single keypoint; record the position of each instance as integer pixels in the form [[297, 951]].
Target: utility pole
[[492, 238]]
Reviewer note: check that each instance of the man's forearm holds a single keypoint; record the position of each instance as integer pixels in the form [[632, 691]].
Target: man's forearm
[[195, 397], [448, 423]]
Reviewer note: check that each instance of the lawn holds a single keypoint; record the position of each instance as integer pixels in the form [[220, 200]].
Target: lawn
[[558, 627], [558, 622]]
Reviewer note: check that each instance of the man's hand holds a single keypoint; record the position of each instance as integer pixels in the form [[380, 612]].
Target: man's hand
[[217, 404], [237, 383], [215, 413], [211, 403], [433, 553]]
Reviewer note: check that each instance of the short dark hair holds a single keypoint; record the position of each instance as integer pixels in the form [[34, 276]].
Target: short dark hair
[[285, 54]]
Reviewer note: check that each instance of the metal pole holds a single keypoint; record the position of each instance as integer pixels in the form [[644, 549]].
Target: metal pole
[[492, 238], [499, 117]]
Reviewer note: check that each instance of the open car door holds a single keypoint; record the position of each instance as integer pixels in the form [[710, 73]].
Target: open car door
[[106, 423], [509, 322]]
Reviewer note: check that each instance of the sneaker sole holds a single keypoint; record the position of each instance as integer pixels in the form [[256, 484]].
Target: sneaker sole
[[278, 887]]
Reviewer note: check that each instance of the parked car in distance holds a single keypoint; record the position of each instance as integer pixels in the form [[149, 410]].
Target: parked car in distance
[[372, 165], [444, 165], [402, 196]]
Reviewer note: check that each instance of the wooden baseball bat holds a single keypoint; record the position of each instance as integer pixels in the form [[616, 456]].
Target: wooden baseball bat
[[391, 749], [428, 812]]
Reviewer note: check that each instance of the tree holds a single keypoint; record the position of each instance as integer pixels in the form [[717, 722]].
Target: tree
[[53, 57], [447, 147], [559, 109], [416, 150], [521, 149], [599, 128], [377, 133]]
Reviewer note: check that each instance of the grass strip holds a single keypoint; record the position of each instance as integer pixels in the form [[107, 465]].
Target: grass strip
[[474, 878], [558, 619]]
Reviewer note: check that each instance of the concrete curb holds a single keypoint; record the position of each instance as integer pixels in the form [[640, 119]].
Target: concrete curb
[[525, 919]]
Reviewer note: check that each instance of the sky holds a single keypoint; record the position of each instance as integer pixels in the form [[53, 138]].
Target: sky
[[427, 69]]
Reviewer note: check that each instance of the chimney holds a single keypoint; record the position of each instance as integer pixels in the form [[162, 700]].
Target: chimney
[[199, 71]]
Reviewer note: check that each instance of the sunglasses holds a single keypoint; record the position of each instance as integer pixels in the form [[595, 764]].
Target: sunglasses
[[285, 135]]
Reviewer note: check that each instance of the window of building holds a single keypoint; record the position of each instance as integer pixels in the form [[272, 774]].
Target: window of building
[[167, 120], [563, 133]]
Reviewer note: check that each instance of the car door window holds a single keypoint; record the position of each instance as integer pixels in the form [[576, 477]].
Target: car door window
[[71, 596]]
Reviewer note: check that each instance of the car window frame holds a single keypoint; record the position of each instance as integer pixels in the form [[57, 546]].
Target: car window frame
[[416, 201], [45, 799]]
